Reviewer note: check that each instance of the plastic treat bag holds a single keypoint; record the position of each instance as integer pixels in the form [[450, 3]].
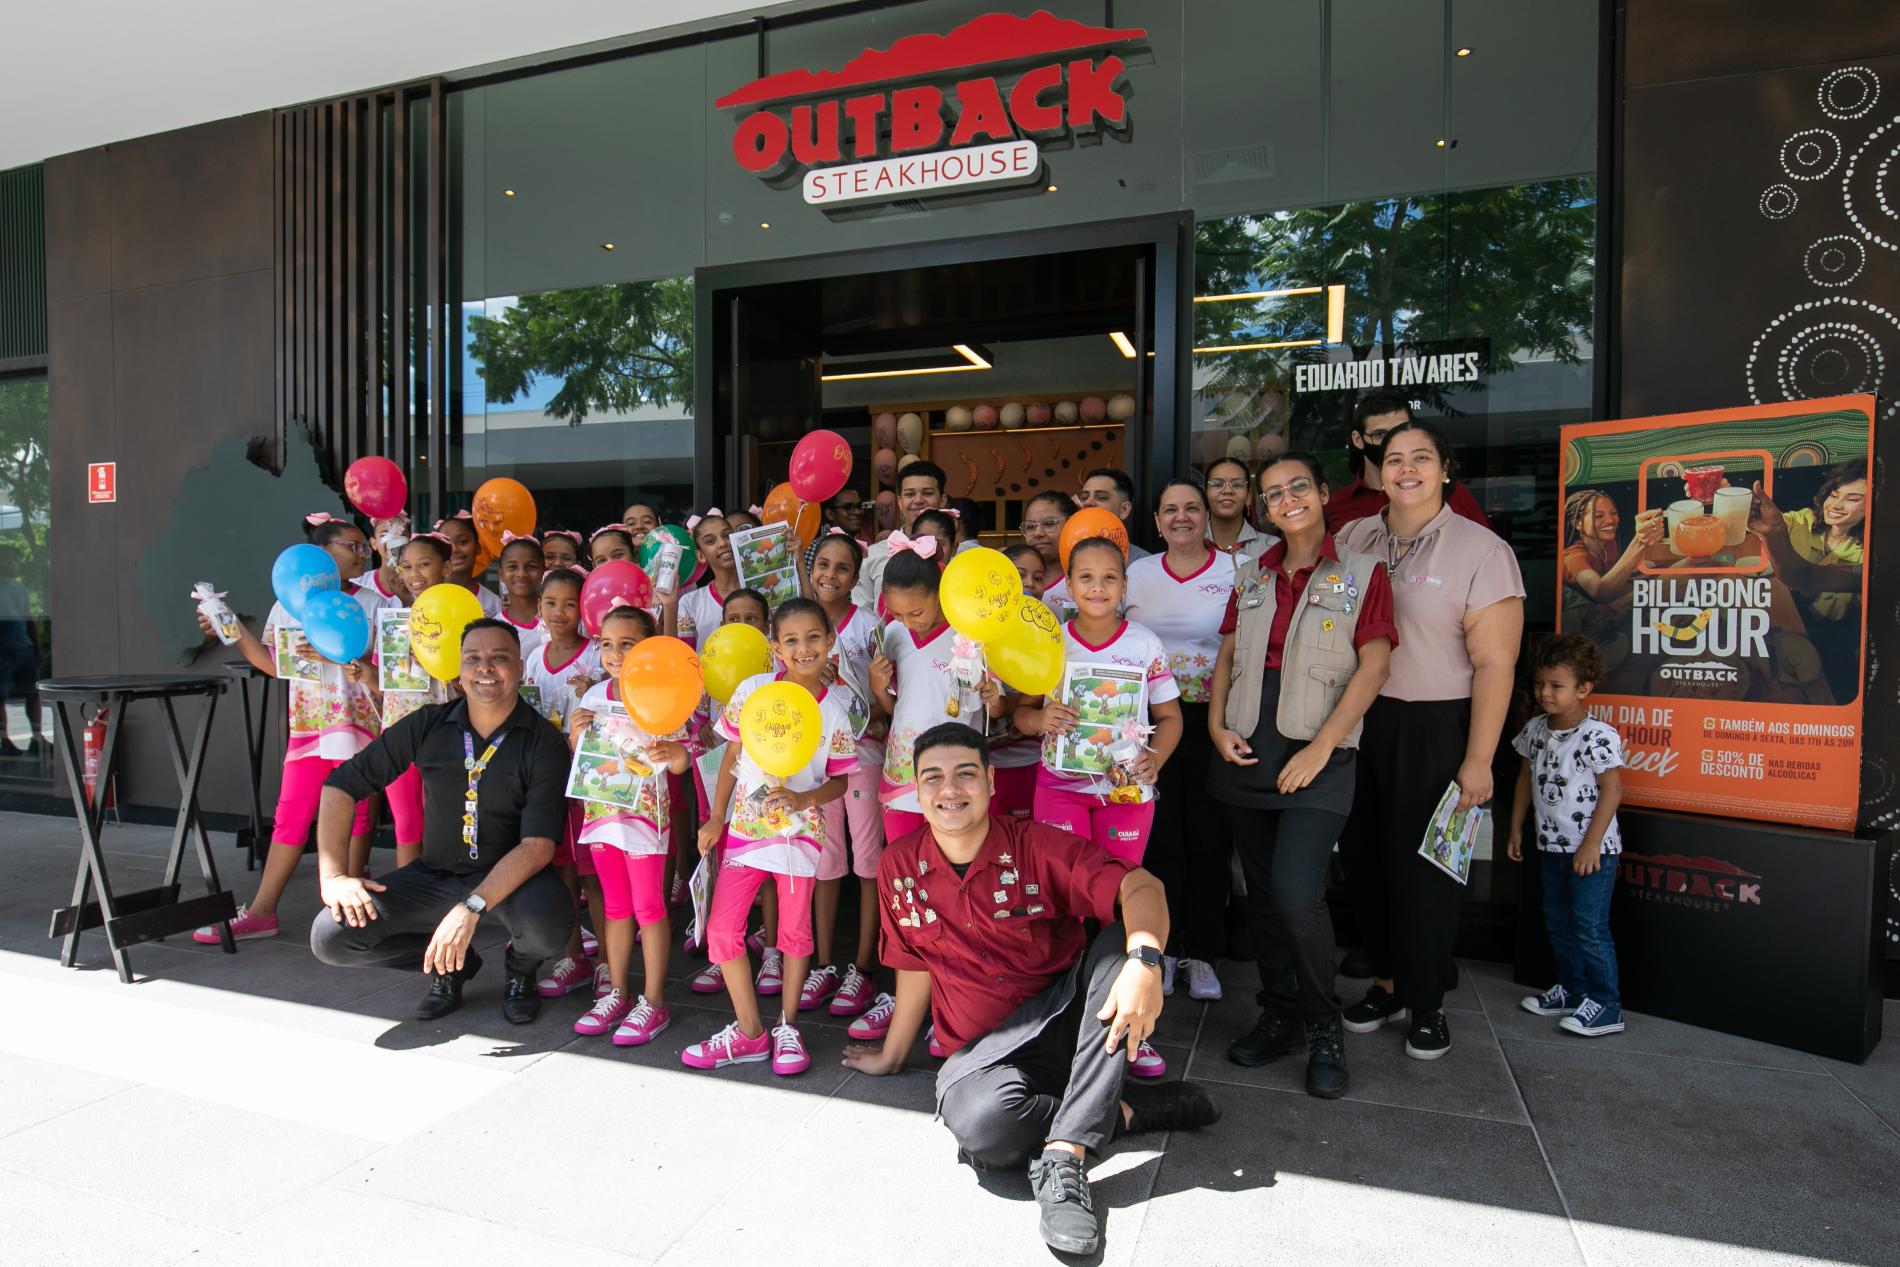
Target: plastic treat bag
[[395, 535], [967, 671], [211, 604], [666, 568], [1125, 788]]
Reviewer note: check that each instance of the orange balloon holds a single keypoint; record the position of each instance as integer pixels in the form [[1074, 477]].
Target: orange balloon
[[660, 684], [1093, 521], [783, 507], [502, 505]]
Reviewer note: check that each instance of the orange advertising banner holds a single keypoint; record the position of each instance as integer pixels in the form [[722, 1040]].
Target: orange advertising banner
[[1719, 560]]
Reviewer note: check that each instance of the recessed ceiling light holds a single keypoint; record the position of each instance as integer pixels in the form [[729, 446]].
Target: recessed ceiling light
[[765, 224], [606, 246], [1122, 344], [1440, 142], [1464, 52], [1052, 189], [507, 193]]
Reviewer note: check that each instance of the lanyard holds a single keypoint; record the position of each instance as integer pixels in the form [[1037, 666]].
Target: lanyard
[[469, 801]]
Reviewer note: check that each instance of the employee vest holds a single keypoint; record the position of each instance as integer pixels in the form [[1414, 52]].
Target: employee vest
[[1319, 657]]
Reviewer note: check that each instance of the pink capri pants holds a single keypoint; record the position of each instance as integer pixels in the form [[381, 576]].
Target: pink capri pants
[[858, 808], [297, 801], [1120, 830], [732, 906], [631, 884]]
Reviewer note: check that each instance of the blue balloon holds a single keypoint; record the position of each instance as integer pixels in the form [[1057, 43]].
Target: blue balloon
[[336, 626], [300, 572]]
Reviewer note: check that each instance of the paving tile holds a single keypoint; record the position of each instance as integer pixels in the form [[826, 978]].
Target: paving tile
[[160, 1150], [1649, 1034], [53, 1225], [35, 1090], [273, 970], [1731, 1155], [1877, 1081], [1290, 1179]]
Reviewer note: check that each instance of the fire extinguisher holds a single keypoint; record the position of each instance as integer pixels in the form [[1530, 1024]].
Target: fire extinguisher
[[94, 745]]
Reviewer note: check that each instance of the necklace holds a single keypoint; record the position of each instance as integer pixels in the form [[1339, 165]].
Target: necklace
[[470, 801]]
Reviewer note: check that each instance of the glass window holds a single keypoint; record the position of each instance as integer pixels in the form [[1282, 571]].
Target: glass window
[[25, 564]]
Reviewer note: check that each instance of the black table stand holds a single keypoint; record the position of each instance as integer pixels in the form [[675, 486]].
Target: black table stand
[[149, 914], [256, 729]]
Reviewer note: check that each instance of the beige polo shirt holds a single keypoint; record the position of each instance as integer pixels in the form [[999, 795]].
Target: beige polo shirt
[[1451, 568]]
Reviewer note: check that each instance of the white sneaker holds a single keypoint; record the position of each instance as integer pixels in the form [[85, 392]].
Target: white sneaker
[[1168, 964], [1203, 983]]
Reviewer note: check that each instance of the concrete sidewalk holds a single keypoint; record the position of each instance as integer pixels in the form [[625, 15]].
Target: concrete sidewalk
[[263, 1107]]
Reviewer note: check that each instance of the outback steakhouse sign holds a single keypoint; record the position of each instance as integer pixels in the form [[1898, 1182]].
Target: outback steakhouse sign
[[934, 114]]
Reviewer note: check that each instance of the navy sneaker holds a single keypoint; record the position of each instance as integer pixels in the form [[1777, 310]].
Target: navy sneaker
[[1552, 1002], [1593, 1019]]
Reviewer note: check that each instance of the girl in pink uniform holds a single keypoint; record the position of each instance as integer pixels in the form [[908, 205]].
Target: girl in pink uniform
[[561, 548], [459, 531], [766, 826], [854, 817], [700, 609], [911, 680], [1014, 756], [331, 720], [610, 544], [521, 565], [424, 561], [1080, 803], [628, 846]]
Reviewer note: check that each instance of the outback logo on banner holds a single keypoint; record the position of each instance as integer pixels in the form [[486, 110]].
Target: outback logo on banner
[[1701, 883], [1719, 560], [934, 114]]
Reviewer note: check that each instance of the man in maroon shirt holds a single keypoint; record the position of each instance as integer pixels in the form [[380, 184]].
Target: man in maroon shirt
[[1377, 413], [983, 924]]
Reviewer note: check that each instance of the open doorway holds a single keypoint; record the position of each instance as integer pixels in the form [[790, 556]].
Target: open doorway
[[1015, 364]]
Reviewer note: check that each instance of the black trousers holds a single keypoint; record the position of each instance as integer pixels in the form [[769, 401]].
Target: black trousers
[[538, 916], [1058, 1085], [1285, 855], [1408, 908], [1189, 846]]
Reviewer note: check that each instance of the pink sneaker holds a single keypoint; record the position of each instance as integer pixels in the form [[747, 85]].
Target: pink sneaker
[[854, 993], [755, 941], [603, 980], [693, 943], [590, 946], [244, 927], [875, 1023], [1148, 1062], [771, 978], [604, 1015], [788, 1050], [936, 1048], [566, 976], [678, 893], [820, 985], [711, 980], [727, 1047], [642, 1024]]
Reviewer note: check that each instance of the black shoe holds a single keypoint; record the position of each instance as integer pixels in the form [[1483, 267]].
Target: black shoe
[[1376, 1009], [1326, 1060], [520, 1004], [1068, 1222], [1357, 964], [445, 989], [1429, 1038], [1167, 1106], [1274, 1035]]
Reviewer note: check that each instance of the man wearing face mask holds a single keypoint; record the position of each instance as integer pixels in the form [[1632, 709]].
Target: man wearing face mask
[[919, 488], [1376, 414], [494, 779], [1114, 492]]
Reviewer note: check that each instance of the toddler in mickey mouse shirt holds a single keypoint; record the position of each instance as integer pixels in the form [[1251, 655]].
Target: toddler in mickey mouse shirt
[[1570, 778]]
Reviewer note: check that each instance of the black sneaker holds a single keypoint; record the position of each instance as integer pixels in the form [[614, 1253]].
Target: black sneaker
[[1429, 1038], [1357, 964], [1068, 1222], [1377, 1008], [520, 1001], [445, 989], [1167, 1106], [1326, 1061], [1274, 1035]]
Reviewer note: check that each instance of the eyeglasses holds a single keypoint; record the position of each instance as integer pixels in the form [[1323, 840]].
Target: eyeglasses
[[356, 548], [1375, 437], [1227, 486], [1050, 524], [1298, 488]]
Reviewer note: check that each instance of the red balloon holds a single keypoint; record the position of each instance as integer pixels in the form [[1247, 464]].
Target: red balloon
[[821, 465], [618, 583], [376, 487]]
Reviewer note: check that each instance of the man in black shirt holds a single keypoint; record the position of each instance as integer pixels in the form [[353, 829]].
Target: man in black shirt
[[494, 778]]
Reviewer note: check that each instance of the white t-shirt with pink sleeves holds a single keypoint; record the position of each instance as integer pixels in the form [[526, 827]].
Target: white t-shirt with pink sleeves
[[644, 828], [333, 718], [856, 645], [780, 842], [553, 698], [492, 606], [700, 612], [1185, 612], [1131, 646], [927, 696], [532, 634]]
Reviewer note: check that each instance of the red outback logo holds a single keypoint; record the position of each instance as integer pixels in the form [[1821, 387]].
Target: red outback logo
[[815, 119], [1709, 884]]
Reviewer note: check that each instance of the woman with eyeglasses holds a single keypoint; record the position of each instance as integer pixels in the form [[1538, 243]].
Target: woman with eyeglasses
[[1182, 594], [1227, 524], [1043, 518], [1459, 604], [1306, 642]]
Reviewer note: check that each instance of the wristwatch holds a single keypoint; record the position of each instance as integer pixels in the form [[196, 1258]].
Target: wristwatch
[[1148, 956], [475, 903]]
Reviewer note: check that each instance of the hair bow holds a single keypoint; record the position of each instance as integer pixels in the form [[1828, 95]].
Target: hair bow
[[322, 517], [460, 514], [757, 510], [951, 511], [712, 512], [569, 533], [434, 536], [507, 537], [621, 528], [835, 531], [923, 547], [619, 601]]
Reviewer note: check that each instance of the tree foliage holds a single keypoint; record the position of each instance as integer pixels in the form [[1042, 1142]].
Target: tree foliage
[[24, 471], [612, 347]]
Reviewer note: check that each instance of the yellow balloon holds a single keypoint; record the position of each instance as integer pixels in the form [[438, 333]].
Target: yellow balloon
[[436, 623], [733, 654], [781, 728], [1029, 656], [980, 592]]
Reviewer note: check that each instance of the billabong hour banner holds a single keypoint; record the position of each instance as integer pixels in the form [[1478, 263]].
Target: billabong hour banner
[[1719, 561]]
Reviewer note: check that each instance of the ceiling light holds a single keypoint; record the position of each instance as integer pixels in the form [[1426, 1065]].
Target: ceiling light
[[972, 360], [1258, 294], [507, 193], [1440, 142], [606, 246], [765, 224], [1258, 347], [1336, 313], [1121, 341], [1052, 189], [1464, 52]]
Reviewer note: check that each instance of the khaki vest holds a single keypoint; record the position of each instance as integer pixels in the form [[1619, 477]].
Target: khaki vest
[[1319, 657]]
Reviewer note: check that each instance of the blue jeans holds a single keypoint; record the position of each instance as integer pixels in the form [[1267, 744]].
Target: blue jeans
[[1577, 916]]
